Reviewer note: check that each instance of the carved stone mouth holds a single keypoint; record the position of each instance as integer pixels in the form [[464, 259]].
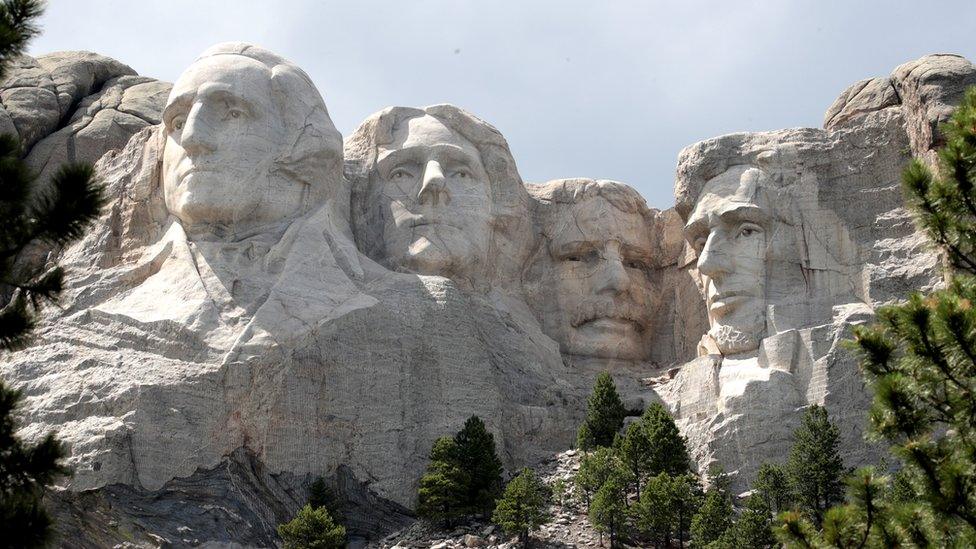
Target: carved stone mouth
[[612, 322]]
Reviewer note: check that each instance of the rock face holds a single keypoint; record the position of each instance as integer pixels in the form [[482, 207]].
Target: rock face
[[262, 303]]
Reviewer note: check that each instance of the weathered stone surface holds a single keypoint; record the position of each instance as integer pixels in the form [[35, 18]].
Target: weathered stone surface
[[262, 303], [797, 235]]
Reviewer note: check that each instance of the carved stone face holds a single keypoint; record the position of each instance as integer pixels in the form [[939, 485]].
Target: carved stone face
[[600, 281], [432, 194], [223, 132], [728, 230]]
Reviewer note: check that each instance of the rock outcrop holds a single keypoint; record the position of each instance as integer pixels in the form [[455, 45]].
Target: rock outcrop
[[262, 304]]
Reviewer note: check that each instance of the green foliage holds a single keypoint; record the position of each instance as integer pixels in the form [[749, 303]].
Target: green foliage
[[815, 468], [754, 527], [773, 486], [653, 445], [608, 510], [56, 214], [312, 529], [714, 516], [524, 506], [482, 469], [25, 470], [560, 492], [441, 493], [920, 358], [665, 508], [464, 476], [604, 415], [596, 468]]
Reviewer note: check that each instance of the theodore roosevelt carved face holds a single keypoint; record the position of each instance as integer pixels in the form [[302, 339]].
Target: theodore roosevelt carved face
[[248, 142], [595, 289], [728, 230]]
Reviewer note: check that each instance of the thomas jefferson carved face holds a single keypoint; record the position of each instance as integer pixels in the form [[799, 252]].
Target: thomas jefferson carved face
[[432, 194], [601, 259], [223, 132], [728, 230]]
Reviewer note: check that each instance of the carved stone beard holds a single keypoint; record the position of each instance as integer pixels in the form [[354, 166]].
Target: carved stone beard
[[731, 341]]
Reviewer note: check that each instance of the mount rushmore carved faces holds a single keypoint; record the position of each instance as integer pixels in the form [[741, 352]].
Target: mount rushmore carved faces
[[432, 189], [249, 143], [595, 267], [727, 229]]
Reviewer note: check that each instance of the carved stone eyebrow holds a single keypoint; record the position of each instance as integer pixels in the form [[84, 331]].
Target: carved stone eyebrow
[[419, 152], [177, 104], [743, 212]]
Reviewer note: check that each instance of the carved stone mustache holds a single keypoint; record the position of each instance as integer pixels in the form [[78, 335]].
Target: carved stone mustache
[[608, 308]]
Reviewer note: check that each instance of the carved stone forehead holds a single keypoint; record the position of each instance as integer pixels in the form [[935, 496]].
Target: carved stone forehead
[[595, 219], [738, 188], [242, 76], [424, 132]]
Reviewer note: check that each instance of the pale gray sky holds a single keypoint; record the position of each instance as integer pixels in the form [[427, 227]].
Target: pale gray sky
[[604, 89]]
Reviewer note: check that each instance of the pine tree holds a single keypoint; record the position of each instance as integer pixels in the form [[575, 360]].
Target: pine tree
[[921, 355], [441, 494], [25, 470], [524, 506], [714, 516], [653, 445], [754, 527], [312, 529], [56, 215], [772, 484], [666, 507], [608, 510], [604, 415], [920, 358], [480, 465], [595, 468], [815, 469]]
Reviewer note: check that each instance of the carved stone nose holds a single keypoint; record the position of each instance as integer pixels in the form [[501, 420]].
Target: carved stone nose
[[432, 188]]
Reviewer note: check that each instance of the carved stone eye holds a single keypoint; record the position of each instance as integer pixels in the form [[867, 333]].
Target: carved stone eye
[[399, 173], [749, 230], [178, 124], [461, 174], [235, 114]]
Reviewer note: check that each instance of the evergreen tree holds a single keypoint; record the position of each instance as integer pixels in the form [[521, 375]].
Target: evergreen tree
[[920, 358], [604, 415], [670, 450], [524, 506], [666, 507], [714, 516], [25, 470], [653, 445], [754, 527], [772, 484], [815, 469], [595, 468], [54, 215], [921, 355], [442, 488], [608, 510], [312, 529], [482, 469]]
